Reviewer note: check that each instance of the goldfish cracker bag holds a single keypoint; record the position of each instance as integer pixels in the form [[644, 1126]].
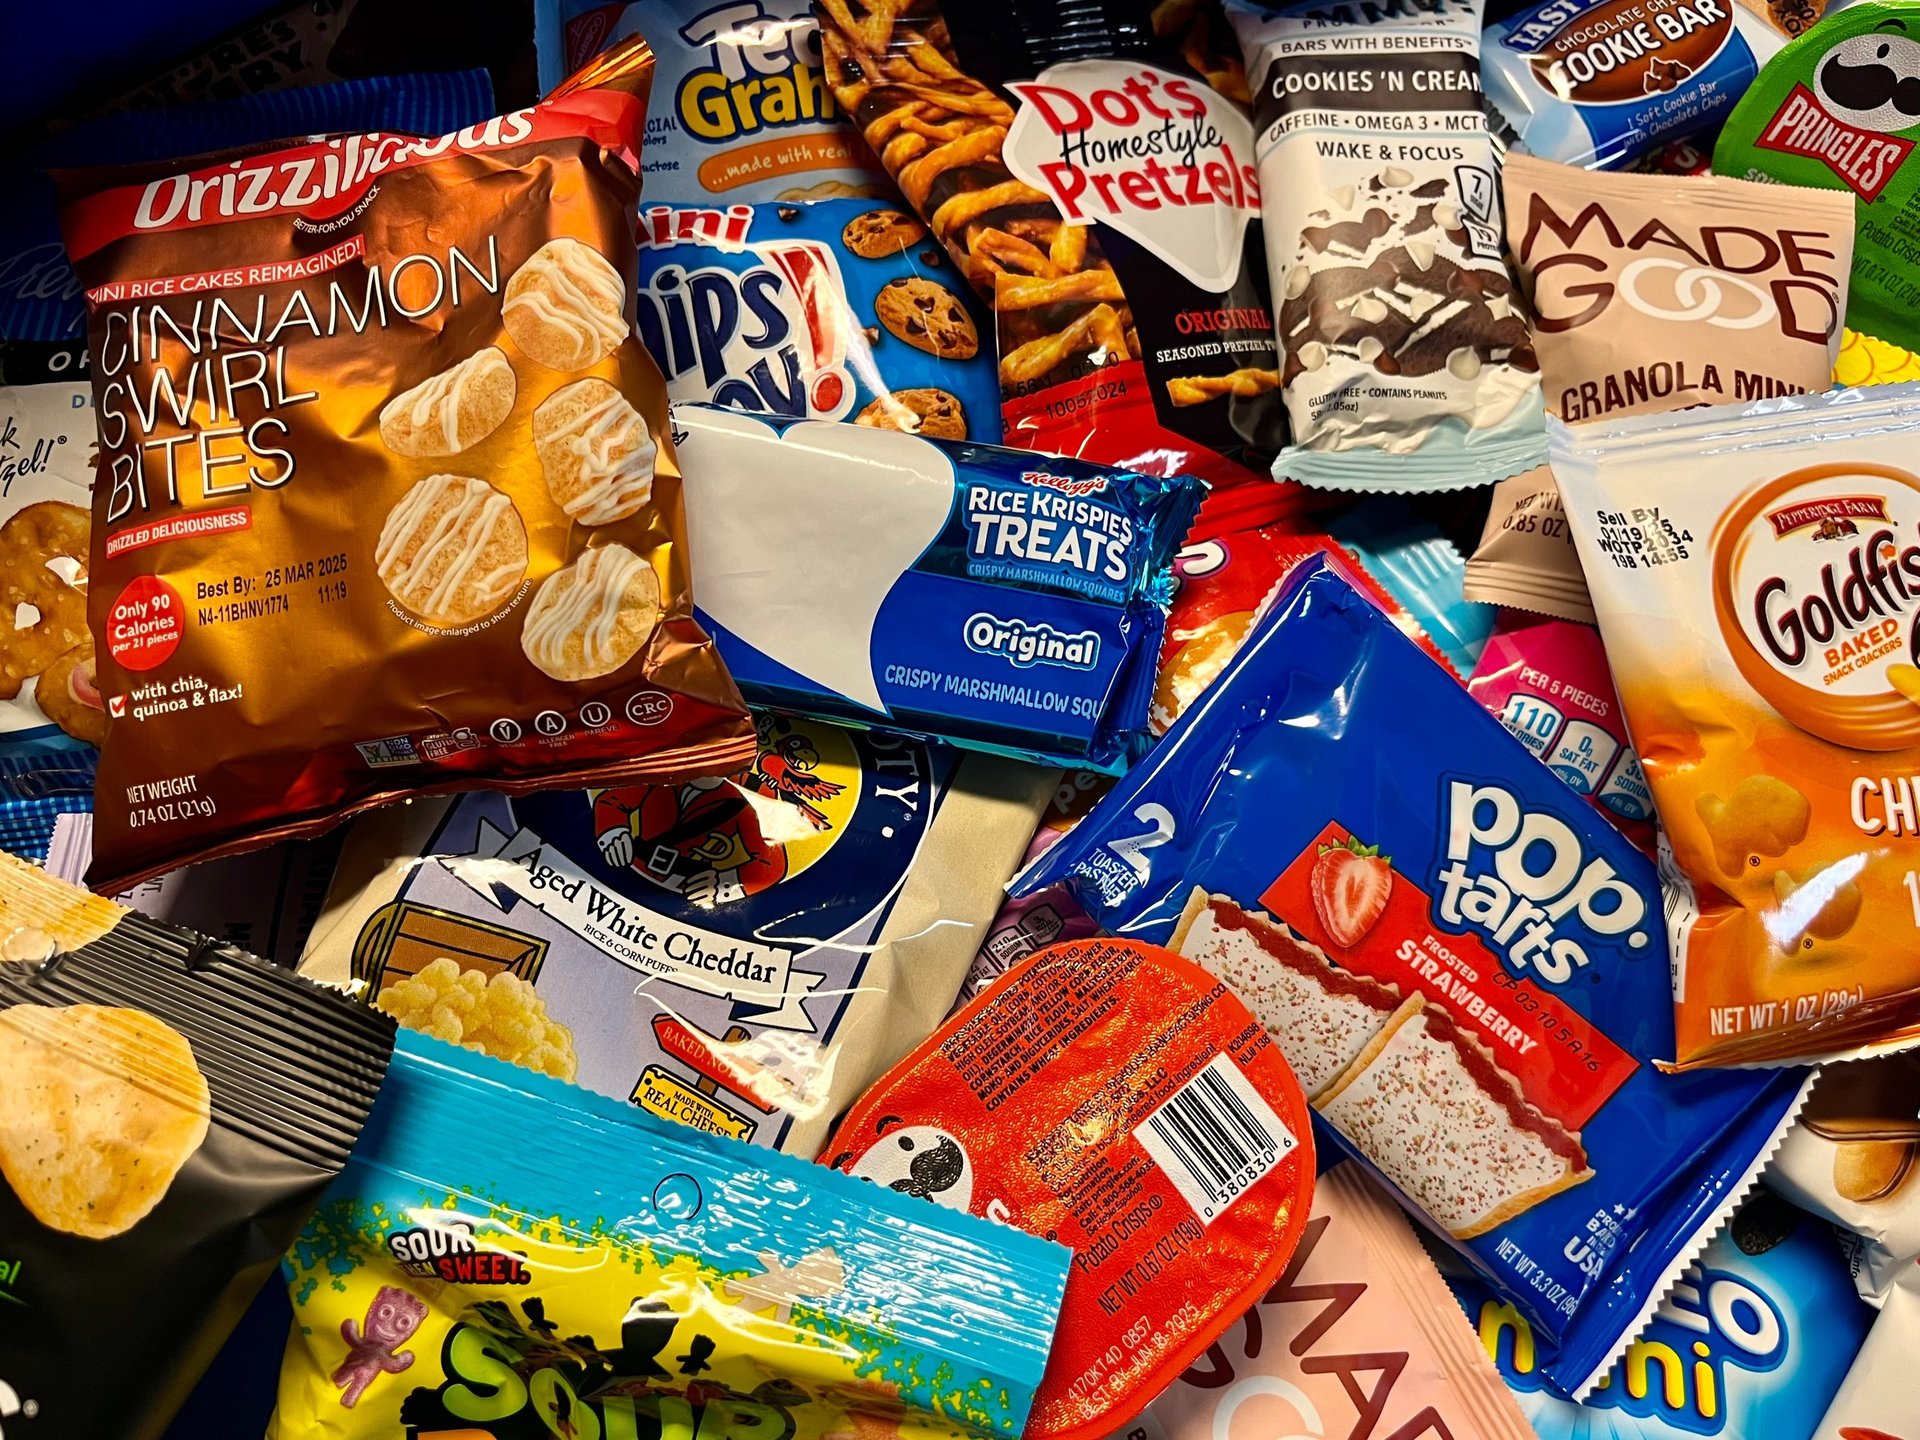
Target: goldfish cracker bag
[[1757, 578], [507, 1256], [387, 503], [1093, 179]]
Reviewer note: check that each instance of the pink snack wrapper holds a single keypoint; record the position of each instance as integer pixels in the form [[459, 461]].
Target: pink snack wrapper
[[1547, 681]]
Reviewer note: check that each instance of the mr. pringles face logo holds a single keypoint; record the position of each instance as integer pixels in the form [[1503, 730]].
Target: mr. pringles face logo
[[1859, 117], [1816, 579]]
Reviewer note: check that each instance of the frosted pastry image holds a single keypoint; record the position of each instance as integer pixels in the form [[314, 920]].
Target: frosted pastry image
[[452, 550], [566, 308], [446, 413], [595, 452], [593, 616]]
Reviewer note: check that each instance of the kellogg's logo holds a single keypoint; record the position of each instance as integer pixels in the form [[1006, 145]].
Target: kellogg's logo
[[1524, 880], [760, 328], [1816, 583], [1161, 158], [1619, 52], [1090, 485]]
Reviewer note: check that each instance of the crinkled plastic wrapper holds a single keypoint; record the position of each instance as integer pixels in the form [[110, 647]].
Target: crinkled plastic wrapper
[[386, 500], [507, 1256]]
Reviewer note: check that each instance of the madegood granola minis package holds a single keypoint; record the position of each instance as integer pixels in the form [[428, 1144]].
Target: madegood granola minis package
[[387, 502]]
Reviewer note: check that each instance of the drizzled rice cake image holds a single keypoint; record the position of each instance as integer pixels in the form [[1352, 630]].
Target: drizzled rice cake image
[[593, 616], [1426, 1102], [1320, 1016], [453, 550], [566, 307], [595, 451], [453, 410]]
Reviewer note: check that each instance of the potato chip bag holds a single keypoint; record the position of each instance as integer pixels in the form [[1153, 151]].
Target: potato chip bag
[[1757, 578], [170, 1108]]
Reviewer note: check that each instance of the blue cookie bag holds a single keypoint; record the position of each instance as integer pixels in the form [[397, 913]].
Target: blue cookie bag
[[1439, 935]]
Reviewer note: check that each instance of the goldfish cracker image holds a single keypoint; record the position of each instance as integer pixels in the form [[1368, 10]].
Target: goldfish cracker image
[[1757, 581], [1118, 1099], [466, 1279]]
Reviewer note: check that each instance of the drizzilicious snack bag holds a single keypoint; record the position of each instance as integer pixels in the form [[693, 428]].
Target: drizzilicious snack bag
[[386, 500]]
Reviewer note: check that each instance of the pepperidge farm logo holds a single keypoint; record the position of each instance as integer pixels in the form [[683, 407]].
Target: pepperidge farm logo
[[1161, 158], [1524, 881]]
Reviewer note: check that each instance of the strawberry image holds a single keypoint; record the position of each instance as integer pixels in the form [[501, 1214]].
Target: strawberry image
[[1350, 883]]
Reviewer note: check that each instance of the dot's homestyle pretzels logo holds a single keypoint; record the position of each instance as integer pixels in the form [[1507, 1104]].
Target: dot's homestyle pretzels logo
[[1816, 583], [1525, 881]]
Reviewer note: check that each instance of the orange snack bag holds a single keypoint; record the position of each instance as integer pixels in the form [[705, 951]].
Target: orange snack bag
[[1756, 574], [1116, 1098]]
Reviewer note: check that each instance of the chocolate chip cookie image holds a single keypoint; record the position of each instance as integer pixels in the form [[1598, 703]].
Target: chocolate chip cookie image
[[452, 411], [928, 317], [879, 233], [592, 617], [566, 308], [936, 414], [452, 550], [595, 451]]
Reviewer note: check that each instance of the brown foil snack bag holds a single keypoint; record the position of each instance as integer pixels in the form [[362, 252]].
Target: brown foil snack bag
[[386, 501], [1652, 293]]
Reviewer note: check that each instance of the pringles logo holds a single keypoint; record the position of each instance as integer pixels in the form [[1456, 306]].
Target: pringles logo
[[1816, 580], [1866, 95], [1523, 879], [1622, 51], [1161, 158]]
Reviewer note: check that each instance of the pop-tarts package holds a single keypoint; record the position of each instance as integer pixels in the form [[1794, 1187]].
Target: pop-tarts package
[[1754, 1340], [1464, 964], [990, 598], [780, 270], [743, 955]]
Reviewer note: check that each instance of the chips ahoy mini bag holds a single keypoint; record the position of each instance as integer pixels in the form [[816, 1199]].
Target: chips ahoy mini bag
[[1464, 964]]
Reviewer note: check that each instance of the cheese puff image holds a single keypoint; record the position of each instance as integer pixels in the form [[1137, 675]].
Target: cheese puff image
[[1763, 816], [1820, 903]]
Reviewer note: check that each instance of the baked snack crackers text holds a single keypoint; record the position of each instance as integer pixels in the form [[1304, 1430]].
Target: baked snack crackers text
[[386, 501]]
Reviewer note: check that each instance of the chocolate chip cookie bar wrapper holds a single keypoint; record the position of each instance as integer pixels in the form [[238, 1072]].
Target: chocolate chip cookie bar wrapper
[[1407, 364], [471, 1274], [433, 460], [173, 1110], [995, 599], [1602, 83], [1331, 829]]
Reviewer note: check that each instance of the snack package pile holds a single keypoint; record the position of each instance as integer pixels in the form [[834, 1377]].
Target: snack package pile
[[942, 720]]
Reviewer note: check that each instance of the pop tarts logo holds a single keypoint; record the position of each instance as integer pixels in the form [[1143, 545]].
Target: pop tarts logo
[[759, 327], [1524, 880], [1023, 645], [1677, 1371]]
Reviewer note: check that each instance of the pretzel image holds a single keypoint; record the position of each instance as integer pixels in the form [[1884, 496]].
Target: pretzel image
[[1198, 389]]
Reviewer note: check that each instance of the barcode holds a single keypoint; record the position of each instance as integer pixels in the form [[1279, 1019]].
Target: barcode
[[1215, 1137]]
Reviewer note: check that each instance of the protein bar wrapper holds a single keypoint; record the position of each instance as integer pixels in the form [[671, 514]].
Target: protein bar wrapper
[[1853, 1159], [1121, 1100], [1755, 576], [1359, 1298], [386, 503], [1834, 111], [1603, 83], [173, 1108], [1095, 182], [780, 271], [1877, 1400], [1753, 1340], [465, 1278], [995, 599], [743, 955], [1464, 964], [1407, 360]]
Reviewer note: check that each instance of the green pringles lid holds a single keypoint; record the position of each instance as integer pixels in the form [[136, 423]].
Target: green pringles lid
[[1839, 108]]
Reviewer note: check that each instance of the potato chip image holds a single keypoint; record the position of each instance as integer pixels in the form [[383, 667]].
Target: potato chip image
[[1820, 903], [1764, 816], [103, 1107]]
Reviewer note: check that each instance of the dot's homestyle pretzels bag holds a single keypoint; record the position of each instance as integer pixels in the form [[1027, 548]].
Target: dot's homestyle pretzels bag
[[386, 502], [1095, 181], [1464, 965], [170, 1110], [1757, 576]]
